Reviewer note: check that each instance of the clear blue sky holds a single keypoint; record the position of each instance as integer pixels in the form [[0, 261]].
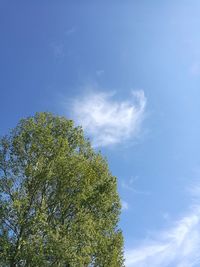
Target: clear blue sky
[[129, 72]]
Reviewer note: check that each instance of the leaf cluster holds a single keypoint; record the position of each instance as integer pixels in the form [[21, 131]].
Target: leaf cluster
[[59, 204]]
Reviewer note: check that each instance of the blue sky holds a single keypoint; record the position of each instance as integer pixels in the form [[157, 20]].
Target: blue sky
[[129, 72]]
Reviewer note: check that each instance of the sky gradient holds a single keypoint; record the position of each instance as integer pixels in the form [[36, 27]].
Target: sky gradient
[[129, 73]]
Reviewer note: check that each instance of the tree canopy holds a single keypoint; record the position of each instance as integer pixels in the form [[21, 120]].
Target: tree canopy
[[59, 204]]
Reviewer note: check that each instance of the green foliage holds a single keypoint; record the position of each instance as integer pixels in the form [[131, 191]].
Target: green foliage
[[58, 200]]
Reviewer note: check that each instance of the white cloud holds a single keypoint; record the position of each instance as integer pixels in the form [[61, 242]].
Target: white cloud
[[178, 246], [108, 121]]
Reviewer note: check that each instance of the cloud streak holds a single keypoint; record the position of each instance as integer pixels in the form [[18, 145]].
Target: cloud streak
[[178, 246], [108, 121]]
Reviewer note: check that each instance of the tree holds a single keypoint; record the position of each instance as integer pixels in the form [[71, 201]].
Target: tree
[[59, 204]]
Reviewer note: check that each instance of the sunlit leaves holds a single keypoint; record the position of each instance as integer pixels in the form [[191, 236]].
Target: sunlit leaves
[[58, 199]]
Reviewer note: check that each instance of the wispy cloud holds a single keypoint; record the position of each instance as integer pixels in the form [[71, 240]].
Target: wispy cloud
[[58, 49], [70, 31], [124, 204], [194, 191], [99, 72], [130, 185], [178, 246], [195, 68], [108, 121]]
